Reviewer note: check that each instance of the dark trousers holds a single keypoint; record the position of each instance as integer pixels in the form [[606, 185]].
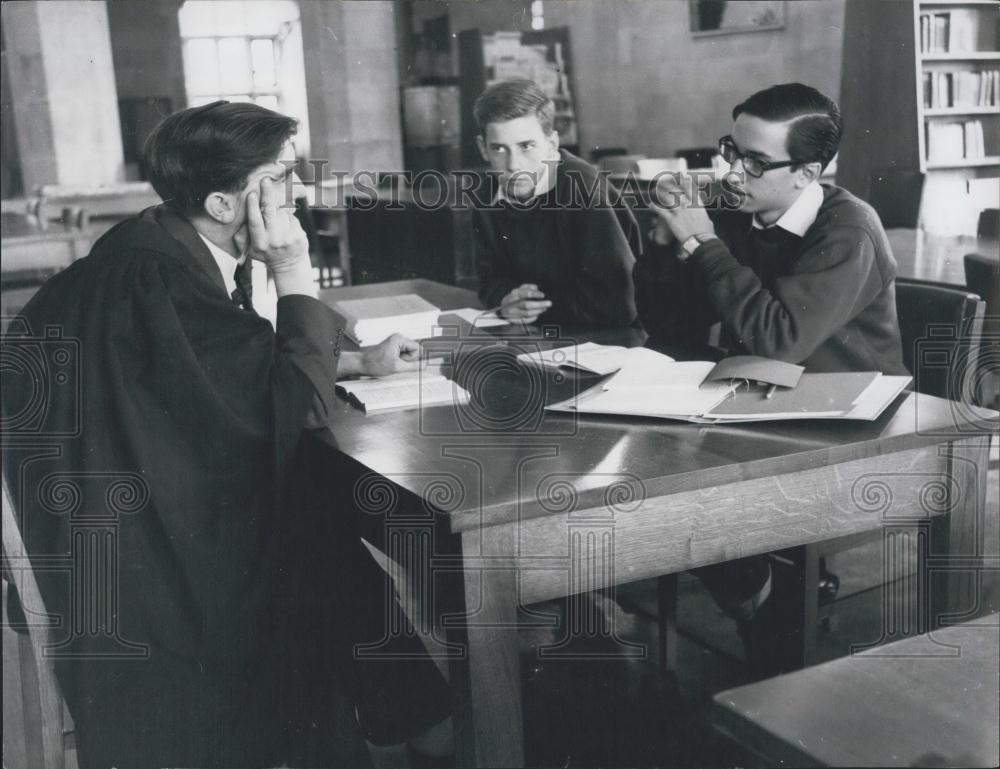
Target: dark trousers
[[733, 583], [350, 611]]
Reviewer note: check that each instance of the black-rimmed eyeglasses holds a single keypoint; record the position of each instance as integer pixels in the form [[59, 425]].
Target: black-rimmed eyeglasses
[[754, 166]]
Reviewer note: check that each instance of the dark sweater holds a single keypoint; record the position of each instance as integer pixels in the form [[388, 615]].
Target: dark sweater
[[572, 243], [826, 300]]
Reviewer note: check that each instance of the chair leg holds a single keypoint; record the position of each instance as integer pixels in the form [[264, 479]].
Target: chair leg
[[808, 591], [31, 704], [666, 599]]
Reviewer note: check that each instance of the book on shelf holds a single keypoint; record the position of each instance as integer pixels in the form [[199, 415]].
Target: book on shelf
[[952, 31], [960, 89], [974, 140], [370, 320], [410, 389], [691, 394], [951, 142]]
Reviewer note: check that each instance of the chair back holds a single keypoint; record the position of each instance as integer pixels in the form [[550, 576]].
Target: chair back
[[940, 327], [603, 152], [41, 702], [989, 223], [895, 195], [982, 277], [620, 164], [698, 157]]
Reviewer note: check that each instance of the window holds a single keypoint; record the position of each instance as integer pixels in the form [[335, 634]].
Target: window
[[241, 50], [537, 15]]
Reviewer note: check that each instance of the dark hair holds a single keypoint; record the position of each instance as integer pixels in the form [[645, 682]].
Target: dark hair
[[510, 99], [213, 148], [814, 134]]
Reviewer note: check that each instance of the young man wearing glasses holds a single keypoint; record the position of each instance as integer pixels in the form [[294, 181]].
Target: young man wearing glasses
[[799, 271]]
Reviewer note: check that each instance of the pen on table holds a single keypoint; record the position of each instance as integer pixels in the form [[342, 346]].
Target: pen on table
[[771, 391]]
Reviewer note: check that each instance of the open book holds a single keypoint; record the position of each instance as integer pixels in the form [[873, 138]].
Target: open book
[[738, 389], [406, 390], [642, 367], [370, 320]]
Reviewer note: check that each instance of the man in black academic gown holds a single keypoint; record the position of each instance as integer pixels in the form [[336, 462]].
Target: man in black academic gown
[[153, 423]]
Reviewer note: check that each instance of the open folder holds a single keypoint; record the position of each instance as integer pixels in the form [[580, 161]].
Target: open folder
[[742, 390]]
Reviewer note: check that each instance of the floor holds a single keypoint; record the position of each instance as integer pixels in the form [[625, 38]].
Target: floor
[[601, 712]]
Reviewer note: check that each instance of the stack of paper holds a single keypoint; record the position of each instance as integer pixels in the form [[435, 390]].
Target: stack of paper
[[407, 390], [371, 320]]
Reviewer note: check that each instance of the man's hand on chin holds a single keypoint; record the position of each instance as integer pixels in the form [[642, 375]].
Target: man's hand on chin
[[275, 237]]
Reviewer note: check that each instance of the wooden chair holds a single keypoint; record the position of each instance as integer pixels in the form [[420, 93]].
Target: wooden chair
[[989, 223], [41, 703], [948, 320], [620, 164], [941, 327], [698, 157], [598, 153], [982, 277]]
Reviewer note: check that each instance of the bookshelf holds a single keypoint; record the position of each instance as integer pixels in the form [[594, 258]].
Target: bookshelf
[[921, 92], [961, 56], [959, 111], [989, 160]]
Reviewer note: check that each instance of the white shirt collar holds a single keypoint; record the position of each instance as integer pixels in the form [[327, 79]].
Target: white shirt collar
[[265, 299], [226, 262], [546, 181], [801, 214]]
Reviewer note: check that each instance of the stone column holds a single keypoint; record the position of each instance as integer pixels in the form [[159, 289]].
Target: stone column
[[62, 84], [353, 84]]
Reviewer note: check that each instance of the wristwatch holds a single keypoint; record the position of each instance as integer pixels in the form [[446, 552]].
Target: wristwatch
[[689, 246]]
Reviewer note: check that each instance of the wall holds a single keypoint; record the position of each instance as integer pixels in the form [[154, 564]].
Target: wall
[[643, 82]]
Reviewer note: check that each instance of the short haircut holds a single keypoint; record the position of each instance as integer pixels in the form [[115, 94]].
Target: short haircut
[[213, 148], [814, 133], [510, 99]]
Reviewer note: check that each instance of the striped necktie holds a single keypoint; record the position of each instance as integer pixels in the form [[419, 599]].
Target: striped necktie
[[242, 295]]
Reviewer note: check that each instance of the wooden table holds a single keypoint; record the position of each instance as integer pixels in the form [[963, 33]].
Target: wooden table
[[523, 505], [929, 700], [939, 258]]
